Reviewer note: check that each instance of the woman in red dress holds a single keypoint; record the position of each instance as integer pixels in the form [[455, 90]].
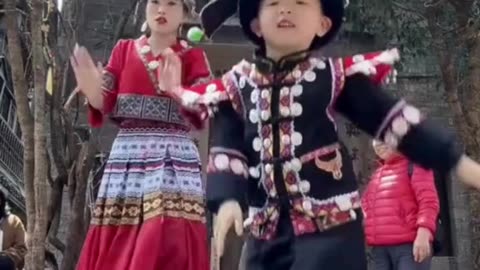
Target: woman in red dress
[[149, 213]]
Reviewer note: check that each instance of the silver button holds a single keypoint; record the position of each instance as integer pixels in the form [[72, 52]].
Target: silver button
[[297, 138], [400, 126], [411, 114], [211, 88], [297, 90], [253, 116], [254, 172], [287, 166], [297, 109], [237, 166], [297, 74], [242, 82], [284, 91], [296, 164], [321, 65], [265, 94], [307, 205], [257, 144], [268, 168], [284, 111], [304, 186], [310, 76], [293, 188], [221, 162], [265, 115], [254, 96], [267, 142]]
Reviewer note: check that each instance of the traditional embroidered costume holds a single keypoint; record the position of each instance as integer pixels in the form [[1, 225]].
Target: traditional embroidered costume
[[276, 151], [150, 208]]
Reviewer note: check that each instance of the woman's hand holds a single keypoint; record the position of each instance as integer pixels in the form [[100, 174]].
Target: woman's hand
[[170, 75], [88, 76], [421, 246]]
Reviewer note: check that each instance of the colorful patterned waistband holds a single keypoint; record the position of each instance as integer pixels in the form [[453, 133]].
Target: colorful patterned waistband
[[307, 215], [151, 126]]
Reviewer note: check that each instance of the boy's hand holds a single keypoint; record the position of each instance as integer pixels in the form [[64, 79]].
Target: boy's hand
[[228, 215], [468, 171]]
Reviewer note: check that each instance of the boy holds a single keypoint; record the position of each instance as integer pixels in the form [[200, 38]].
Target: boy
[[275, 147]]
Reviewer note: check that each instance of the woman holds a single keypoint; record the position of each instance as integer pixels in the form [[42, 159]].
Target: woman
[[401, 208], [12, 238], [149, 213]]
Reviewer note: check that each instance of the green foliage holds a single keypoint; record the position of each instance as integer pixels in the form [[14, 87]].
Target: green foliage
[[403, 24]]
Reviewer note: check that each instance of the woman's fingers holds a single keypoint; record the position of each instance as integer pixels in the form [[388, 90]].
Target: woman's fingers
[[85, 58], [100, 67]]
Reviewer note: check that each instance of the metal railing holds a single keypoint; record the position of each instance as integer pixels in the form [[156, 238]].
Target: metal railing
[[11, 152]]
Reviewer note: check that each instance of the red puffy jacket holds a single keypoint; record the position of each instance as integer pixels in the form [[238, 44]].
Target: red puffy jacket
[[395, 205]]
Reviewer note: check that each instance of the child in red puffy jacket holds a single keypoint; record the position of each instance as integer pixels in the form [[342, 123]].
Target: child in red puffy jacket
[[401, 211]]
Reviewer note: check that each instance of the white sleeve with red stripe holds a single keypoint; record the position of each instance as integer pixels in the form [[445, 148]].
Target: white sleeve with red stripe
[[377, 65]]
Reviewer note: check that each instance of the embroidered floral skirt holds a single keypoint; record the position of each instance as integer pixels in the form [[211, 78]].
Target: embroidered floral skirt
[[149, 214]]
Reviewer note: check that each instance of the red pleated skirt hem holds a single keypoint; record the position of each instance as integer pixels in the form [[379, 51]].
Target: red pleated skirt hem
[[161, 243]]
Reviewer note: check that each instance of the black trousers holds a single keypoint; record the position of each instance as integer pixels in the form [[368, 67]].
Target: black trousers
[[341, 248], [6, 263]]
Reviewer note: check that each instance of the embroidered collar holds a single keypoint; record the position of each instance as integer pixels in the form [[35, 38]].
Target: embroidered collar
[[287, 63], [145, 47], [152, 62]]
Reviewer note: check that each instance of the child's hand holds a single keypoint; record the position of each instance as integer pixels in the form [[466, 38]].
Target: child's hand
[[468, 171], [170, 75], [421, 246], [88, 75], [229, 214]]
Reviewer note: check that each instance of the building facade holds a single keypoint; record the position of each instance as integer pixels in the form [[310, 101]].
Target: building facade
[[11, 148]]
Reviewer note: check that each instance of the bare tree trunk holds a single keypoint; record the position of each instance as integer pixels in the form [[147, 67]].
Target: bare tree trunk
[[41, 165], [466, 111], [24, 115], [76, 228], [472, 105]]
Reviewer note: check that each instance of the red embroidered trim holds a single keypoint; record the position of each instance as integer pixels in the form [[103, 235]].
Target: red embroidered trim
[[319, 152], [326, 215]]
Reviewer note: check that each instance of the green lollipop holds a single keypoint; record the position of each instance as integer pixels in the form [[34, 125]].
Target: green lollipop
[[195, 34]]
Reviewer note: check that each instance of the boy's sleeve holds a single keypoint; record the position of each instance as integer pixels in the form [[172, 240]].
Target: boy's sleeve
[[196, 71], [392, 120], [227, 170]]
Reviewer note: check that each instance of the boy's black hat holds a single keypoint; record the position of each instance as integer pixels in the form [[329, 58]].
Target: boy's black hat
[[216, 12]]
